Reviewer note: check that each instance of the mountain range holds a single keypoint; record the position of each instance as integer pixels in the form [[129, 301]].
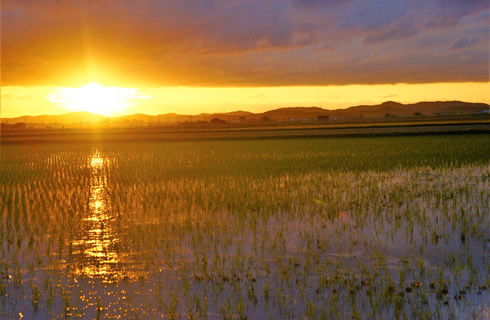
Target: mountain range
[[389, 108]]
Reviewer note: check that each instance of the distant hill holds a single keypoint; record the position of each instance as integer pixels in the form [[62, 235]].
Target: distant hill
[[425, 108], [67, 118], [296, 113], [389, 108]]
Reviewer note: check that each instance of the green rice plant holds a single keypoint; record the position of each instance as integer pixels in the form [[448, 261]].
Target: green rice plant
[[337, 228]]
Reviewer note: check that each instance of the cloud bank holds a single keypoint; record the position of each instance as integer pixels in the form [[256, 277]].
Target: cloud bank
[[244, 42]]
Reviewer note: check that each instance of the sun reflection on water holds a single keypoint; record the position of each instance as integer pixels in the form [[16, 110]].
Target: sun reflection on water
[[97, 247]]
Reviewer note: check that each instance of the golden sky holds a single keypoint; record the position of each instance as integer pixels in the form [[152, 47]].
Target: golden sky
[[193, 56], [18, 101]]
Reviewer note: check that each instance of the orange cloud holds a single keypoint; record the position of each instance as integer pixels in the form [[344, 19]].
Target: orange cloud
[[243, 42]]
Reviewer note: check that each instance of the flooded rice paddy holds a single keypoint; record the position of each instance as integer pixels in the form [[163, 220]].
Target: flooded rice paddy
[[284, 229]]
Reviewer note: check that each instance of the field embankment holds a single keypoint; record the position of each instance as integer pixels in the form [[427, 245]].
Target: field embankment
[[269, 131]]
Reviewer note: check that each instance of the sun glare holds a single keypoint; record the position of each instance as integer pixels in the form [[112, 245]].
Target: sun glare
[[96, 98]]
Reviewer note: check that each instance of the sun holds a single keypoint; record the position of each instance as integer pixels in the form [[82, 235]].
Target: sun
[[96, 98]]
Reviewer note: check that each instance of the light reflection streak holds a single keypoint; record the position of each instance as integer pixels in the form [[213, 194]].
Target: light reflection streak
[[97, 247]]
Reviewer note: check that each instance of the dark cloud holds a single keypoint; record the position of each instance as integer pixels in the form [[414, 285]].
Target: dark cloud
[[316, 3], [245, 42], [464, 3], [464, 42], [398, 31]]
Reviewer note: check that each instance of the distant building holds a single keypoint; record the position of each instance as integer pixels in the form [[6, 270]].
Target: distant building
[[298, 119], [17, 126], [217, 121], [323, 118]]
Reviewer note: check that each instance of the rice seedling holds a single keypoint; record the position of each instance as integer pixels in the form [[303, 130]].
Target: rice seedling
[[317, 228]]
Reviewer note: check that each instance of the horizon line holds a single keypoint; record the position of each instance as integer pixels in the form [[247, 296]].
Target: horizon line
[[237, 111]]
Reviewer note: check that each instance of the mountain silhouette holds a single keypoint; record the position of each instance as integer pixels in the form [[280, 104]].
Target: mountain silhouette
[[292, 113]]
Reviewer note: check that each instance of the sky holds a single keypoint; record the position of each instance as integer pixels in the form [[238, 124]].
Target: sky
[[192, 56]]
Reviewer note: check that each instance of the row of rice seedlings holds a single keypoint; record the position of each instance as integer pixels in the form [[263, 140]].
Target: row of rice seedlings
[[239, 245]]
